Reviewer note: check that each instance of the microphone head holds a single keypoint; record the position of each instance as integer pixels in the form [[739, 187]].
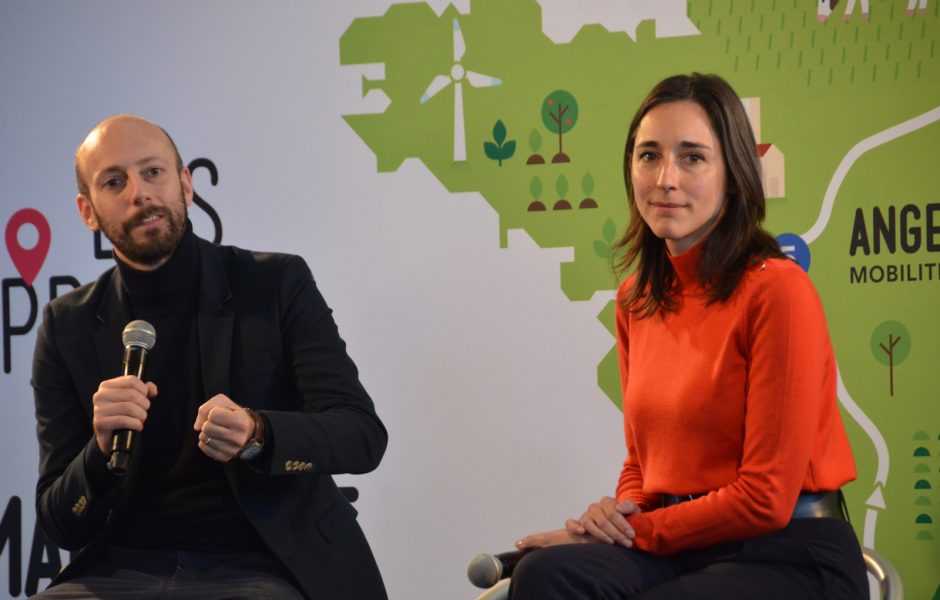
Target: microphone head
[[139, 333], [484, 570]]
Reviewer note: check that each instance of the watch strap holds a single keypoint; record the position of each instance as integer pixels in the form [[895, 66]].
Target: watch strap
[[256, 440]]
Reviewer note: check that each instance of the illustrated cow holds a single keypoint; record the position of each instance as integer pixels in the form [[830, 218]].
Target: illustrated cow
[[825, 8]]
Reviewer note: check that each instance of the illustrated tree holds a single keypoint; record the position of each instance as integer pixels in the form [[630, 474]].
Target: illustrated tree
[[560, 114], [890, 344], [535, 189]]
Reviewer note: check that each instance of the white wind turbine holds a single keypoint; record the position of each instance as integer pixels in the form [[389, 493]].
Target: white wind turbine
[[457, 75]]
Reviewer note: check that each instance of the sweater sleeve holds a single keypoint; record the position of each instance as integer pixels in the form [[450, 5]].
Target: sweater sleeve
[[790, 381], [334, 428]]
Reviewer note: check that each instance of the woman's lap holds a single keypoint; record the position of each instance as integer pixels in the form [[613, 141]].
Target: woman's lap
[[810, 558], [595, 571]]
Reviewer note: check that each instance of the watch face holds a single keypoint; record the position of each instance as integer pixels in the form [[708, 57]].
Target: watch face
[[252, 450]]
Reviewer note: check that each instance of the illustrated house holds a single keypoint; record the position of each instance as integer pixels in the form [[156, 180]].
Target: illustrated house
[[771, 158], [772, 169]]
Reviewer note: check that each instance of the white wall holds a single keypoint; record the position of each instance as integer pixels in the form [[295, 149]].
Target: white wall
[[459, 342]]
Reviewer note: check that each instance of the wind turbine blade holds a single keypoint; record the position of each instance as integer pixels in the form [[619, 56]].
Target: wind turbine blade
[[437, 84], [459, 46], [480, 80], [460, 138]]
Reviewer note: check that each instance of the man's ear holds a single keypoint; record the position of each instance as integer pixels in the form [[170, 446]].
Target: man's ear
[[186, 183], [87, 212]]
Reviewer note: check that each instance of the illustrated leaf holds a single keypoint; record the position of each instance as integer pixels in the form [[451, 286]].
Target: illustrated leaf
[[509, 148], [499, 132], [491, 150], [609, 230], [561, 186], [587, 184], [535, 188], [601, 249], [535, 141]]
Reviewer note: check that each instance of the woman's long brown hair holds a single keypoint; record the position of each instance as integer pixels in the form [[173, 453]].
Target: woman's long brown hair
[[737, 240]]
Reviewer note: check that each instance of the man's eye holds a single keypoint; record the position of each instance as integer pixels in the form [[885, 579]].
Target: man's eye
[[154, 171], [112, 183]]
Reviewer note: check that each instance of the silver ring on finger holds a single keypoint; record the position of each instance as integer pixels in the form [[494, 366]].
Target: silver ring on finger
[[209, 442]]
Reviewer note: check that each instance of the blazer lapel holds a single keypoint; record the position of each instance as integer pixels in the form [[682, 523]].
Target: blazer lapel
[[215, 322], [114, 313]]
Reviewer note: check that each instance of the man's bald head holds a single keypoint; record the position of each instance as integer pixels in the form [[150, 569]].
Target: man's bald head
[[101, 129]]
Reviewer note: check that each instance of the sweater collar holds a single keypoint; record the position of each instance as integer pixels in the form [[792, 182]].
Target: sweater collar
[[686, 266], [169, 286]]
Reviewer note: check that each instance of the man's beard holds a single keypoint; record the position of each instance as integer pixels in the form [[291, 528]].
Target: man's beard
[[158, 245]]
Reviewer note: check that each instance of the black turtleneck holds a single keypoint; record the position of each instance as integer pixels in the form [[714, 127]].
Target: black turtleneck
[[181, 500]]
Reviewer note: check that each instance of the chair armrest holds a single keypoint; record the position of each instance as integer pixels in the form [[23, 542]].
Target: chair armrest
[[888, 577], [500, 591]]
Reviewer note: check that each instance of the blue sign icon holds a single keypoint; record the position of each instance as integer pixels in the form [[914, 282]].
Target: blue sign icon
[[793, 246]]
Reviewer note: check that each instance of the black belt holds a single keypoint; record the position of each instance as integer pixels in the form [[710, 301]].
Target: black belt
[[809, 505]]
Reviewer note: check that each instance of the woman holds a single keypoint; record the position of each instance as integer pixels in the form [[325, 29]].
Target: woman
[[735, 448]]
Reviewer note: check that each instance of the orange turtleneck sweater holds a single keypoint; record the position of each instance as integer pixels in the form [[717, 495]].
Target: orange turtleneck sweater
[[736, 400]]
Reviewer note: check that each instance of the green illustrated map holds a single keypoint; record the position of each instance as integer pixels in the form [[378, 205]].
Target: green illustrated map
[[846, 110]]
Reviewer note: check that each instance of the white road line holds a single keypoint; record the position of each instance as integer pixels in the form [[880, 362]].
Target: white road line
[[881, 448], [853, 155], [876, 501], [868, 534]]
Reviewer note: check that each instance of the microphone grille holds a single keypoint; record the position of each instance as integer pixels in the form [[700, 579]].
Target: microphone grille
[[139, 333], [484, 570]]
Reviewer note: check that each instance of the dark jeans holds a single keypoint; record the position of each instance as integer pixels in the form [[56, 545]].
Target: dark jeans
[[125, 574], [812, 559]]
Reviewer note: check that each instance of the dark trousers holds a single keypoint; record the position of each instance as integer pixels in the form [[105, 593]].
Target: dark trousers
[[809, 559], [126, 574]]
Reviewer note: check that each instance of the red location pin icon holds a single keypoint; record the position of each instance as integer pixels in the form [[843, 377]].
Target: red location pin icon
[[28, 261]]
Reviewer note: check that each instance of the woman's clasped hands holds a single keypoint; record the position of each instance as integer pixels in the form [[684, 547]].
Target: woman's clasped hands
[[604, 521]]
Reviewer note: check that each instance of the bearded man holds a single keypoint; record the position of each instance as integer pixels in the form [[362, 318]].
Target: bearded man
[[248, 405]]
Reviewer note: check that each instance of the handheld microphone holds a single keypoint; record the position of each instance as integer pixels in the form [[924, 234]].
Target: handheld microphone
[[485, 570], [139, 338]]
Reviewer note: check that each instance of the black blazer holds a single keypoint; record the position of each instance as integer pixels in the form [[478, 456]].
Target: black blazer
[[268, 341]]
